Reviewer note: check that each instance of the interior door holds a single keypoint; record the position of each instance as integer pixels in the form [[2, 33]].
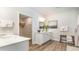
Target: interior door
[[25, 26]]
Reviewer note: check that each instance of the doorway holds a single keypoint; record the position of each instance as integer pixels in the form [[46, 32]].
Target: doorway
[[25, 26]]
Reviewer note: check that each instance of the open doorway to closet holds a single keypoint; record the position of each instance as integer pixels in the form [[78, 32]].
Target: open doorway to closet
[[25, 26]]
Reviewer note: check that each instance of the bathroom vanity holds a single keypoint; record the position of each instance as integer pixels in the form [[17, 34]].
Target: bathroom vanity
[[14, 43], [42, 37]]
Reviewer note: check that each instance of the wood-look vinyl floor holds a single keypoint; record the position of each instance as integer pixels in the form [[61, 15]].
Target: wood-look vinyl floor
[[49, 46]]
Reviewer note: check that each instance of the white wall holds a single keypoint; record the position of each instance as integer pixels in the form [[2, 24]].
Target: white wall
[[78, 17], [7, 14], [68, 18]]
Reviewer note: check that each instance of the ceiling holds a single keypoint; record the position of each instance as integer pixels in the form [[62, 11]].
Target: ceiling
[[48, 11]]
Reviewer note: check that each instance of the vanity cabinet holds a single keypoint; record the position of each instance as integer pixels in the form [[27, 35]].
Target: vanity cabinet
[[41, 38]]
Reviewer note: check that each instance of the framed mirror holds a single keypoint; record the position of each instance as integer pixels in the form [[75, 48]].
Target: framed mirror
[[53, 24], [41, 25]]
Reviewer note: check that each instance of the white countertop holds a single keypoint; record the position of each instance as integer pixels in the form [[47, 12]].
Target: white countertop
[[11, 39]]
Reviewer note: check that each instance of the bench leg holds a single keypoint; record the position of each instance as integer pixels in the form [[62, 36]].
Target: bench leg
[[73, 40]]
